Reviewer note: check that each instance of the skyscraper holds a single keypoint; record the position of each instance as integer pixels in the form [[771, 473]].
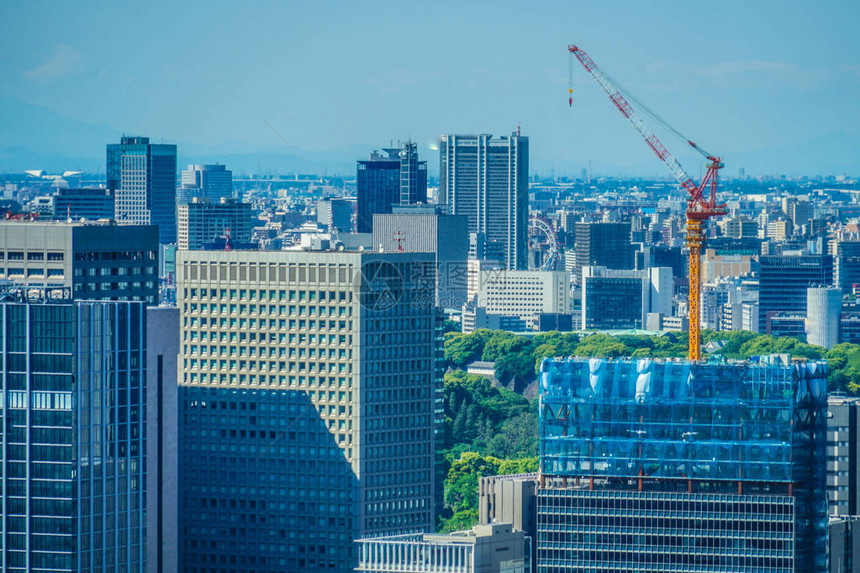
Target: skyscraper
[[843, 454], [142, 176], [213, 182], [486, 179], [96, 261], [308, 404], [619, 299], [671, 466], [398, 179], [847, 265], [335, 214], [427, 230], [604, 245], [73, 442], [783, 280], [202, 221], [76, 204]]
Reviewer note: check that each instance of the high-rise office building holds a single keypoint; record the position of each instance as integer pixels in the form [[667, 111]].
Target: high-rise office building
[[604, 245], [783, 280], [73, 452], [424, 229], [843, 455], [487, 180], [162, 439], [308, 406], [213, 182], [95, 261], [671, 466], [77, 204], [202, 221], [142, 177], [335, 215], [846, 265], [383, 181], [621, 299]]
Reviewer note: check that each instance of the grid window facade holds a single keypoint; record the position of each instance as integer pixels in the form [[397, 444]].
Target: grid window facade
[[622, 531], [73, 453], [353, 336]]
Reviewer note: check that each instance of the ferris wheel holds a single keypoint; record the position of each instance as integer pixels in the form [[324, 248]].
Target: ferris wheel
[[542, 240]]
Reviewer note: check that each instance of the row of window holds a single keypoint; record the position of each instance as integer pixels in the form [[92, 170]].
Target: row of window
[[219, 295], [20, 272], [31, 256]]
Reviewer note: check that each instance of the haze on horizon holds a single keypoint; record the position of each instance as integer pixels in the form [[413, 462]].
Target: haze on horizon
[[769, 85]]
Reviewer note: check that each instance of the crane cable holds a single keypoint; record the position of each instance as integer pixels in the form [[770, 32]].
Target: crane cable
[[652, 114]]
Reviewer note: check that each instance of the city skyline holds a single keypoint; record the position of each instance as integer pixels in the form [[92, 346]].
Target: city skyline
[[738, 88]]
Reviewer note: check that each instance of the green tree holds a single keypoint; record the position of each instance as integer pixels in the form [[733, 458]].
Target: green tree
[[461, 349], [601, 346]]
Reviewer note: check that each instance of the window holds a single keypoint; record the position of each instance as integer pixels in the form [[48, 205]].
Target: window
[[55, 256], [32, 256]]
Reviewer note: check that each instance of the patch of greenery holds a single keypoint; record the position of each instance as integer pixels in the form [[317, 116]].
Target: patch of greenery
[[461, 486], [492, 431]]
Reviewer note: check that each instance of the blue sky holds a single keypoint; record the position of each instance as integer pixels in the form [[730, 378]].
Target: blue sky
[[343, 77]]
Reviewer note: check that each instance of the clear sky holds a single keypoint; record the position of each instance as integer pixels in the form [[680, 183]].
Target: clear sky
[[735, 76]]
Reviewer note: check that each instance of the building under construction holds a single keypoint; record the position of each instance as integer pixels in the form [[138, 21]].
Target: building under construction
[[677, 466]]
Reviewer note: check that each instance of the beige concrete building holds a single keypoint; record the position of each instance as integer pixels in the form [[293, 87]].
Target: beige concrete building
[[715, 267], [355, 336]]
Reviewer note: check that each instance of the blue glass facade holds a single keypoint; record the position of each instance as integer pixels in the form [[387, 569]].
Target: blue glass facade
[[264, 485], [399, 179], [142, 177], [673, 466], [72, 453]]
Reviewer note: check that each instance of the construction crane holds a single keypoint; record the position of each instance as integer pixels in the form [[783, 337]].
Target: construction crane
[[702, 202]]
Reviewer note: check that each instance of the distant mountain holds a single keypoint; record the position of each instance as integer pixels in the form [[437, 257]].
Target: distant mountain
[[35, 137], [833, 154]]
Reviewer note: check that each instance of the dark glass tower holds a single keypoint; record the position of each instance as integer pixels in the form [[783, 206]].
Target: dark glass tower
[[398, 179], [783, 280], [73, 453], [142, 176]]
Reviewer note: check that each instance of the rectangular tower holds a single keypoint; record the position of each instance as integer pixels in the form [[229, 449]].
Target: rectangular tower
[[784, 279], [142, 177], [487, 180], [309, 397], [212, 182], [73, 442], [671, 466], [602, 244], [427, 230], [202, 222], [396, 178], [95, 261]]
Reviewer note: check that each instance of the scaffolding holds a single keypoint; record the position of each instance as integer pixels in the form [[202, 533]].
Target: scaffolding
[[677, 419], [646, 433]]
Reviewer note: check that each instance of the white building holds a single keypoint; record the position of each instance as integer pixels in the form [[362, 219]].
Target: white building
[[484, 549], [520, 293], [823, 313]]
